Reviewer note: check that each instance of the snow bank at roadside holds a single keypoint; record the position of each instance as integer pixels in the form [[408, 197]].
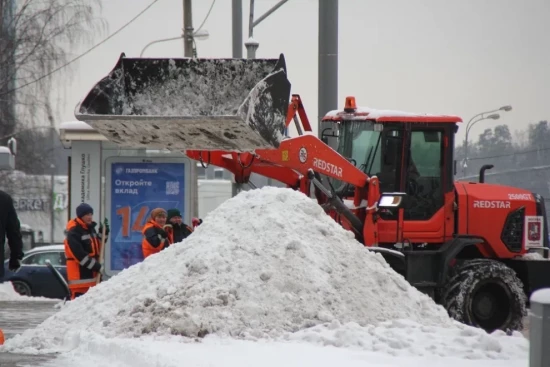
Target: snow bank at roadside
[[213, 351], [8, 293]]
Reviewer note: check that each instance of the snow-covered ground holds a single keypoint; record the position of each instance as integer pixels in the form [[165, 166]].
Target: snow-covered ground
[[268, 279], [98, 351], [7, 293]]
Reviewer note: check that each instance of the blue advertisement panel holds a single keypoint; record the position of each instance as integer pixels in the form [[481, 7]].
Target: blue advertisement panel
[[136, 189]]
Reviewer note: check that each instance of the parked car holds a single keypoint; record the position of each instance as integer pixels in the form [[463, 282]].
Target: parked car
[[27, 237], [34, 278]]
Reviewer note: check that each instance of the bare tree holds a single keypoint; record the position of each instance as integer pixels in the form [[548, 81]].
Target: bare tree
[[36, 42], [38, 39]]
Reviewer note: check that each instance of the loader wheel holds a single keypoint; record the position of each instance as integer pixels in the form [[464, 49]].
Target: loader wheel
[[486, 294]]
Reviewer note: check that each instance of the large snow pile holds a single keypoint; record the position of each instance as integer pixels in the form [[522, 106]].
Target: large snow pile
[[265, 263]]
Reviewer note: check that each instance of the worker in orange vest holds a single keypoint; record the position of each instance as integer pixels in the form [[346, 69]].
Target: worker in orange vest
[[82, 249], [155, 236]]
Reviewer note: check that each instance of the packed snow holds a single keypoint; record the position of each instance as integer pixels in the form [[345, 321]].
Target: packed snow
[[8, 293], [95, 350], [267, 266], [534, 256], [541, 296], [372, 113]]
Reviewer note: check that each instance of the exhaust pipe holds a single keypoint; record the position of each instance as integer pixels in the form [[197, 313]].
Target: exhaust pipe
[[482, 172]]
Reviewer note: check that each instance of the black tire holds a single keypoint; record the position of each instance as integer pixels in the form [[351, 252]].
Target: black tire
[[486, 294], [22, 288]]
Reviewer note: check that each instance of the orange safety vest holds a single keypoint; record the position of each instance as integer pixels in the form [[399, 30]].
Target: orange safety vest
[[82, 249], [153, 230]]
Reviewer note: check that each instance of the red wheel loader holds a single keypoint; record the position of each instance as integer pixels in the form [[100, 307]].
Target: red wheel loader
[[389, 177]]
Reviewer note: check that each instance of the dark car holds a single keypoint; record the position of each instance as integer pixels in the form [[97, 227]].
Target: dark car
[[34, 278]]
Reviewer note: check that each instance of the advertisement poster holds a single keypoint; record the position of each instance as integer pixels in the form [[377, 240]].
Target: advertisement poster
[[85, 174], [534, 230], [137, 189]]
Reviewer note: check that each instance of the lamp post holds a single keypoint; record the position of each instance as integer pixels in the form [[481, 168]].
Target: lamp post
[[199, 35], [52, 203], [471, 123], [251, 44], [189, 36]]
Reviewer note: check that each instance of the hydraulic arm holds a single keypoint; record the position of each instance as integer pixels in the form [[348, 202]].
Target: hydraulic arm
[[298, 163]]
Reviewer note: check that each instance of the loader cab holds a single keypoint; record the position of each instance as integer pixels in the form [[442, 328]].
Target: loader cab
[[373, 148], [409, 153]]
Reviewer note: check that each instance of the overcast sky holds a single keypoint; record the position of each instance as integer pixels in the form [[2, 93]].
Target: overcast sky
[[436, 56]]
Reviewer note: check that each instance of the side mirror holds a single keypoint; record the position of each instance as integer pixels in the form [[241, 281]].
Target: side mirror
[[325, 136], [391, 200]]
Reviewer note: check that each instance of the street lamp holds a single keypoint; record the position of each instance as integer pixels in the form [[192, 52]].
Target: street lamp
[[251, 44], [505, 108], [201, 35], [471, 123]]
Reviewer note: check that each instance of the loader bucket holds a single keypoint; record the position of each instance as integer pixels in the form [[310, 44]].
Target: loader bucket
[[197, 104]]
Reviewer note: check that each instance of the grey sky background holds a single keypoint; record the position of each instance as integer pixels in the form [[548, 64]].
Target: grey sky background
[[431, 56]]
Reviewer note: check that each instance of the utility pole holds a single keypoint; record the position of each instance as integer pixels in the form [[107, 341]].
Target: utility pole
[[237, 46], [52, 172], [237, 28], [187, 28], [252, 45], [327, 98], [188, 52]]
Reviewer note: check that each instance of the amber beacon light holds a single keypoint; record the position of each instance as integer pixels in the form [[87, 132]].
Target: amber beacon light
[[350, 105]]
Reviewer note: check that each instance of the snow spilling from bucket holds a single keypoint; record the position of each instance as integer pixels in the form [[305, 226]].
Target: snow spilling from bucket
[[213, 88], [266, 264]]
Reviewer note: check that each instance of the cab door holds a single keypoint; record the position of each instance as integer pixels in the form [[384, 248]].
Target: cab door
[[428, 210], [426, 177]]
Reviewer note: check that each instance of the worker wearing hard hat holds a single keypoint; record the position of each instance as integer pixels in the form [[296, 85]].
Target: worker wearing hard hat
[[180, 230], [82, 249], [155, 237]]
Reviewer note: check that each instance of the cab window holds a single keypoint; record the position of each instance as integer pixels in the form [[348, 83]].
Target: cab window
[[55, 258], [424, 174]]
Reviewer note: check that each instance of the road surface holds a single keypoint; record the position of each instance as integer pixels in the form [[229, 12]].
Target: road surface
[[16, 317]]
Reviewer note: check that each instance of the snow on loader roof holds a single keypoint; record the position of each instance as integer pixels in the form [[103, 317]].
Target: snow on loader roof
[[185, 103]]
